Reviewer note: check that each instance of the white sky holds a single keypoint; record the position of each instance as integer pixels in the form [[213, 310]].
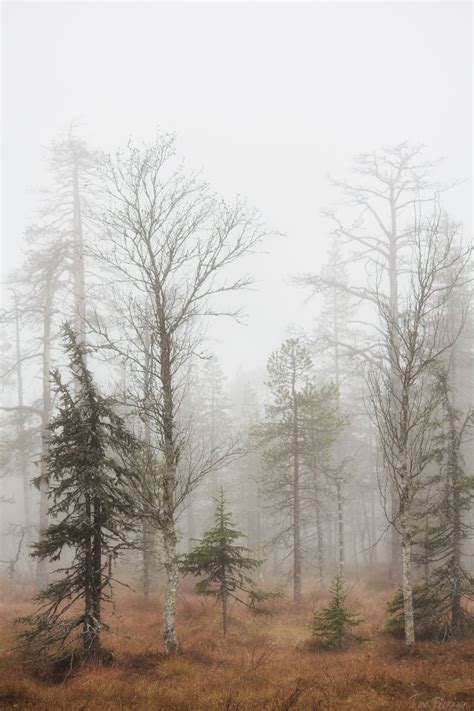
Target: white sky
[[268, 98]]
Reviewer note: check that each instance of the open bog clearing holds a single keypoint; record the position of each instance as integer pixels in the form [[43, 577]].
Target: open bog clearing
[[263, 664]]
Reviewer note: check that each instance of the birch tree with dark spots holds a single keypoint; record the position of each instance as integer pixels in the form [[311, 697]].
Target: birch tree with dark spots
[[170, 247], [375, 220], [405, 396]]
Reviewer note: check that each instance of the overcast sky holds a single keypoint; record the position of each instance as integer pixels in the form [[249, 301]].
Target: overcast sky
[[267, 98]]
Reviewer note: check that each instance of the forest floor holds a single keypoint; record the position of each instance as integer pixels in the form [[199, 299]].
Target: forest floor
[[263, 663]]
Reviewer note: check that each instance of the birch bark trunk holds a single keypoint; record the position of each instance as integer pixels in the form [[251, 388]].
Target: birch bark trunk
[[147, 533], [171, 592], [406, 580], [170, 538], [394, 565]]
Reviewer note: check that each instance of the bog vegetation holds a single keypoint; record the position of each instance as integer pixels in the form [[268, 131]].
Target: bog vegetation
[[321, 511]]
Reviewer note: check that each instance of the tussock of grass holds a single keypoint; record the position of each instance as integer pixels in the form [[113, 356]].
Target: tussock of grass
[[264, 663]]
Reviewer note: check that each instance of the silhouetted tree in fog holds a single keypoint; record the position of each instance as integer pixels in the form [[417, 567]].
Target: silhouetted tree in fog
[[382, 202], [42, 279], [295, 438], [405, 396], [91, 507], [450, 581], [289, 370], [170, 242]]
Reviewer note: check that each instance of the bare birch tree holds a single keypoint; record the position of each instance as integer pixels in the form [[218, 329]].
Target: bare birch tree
[[388, 191], [170, 245], [405, 396]]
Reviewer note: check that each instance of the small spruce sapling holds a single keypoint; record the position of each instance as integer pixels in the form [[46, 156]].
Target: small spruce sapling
[[223, 563], [332, 625]]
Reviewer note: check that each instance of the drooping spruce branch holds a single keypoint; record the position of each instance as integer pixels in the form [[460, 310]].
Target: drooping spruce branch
[[90, 491]]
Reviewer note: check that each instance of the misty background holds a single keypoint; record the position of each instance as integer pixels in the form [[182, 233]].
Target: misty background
[[237, 280], [268, 99]]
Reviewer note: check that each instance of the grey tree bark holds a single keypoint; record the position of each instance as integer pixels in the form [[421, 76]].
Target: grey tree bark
[[42, 564], [296, 496], [20, 423], [78, 254]]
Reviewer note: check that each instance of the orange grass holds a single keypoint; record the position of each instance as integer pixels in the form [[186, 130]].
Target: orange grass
[[264, 663]]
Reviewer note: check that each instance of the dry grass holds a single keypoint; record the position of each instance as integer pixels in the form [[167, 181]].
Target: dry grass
[[263, 664]]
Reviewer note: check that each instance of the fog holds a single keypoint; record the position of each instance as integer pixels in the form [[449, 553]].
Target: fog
[[268, 99], [236, 356]]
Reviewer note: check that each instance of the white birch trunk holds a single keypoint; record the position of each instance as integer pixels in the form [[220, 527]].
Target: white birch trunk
[[406, 582], [171, 592]]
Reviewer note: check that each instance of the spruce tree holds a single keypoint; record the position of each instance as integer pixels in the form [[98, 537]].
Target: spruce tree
[[222, 562], [90, 509], [426, 612], [450, 582], [451, 579], [332, 624]]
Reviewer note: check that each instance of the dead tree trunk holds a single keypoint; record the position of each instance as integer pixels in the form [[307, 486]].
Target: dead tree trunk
[[42, 564], [78, 255], [190, 523], [296, 501], [454, 511], [21, 425], [340, 525], [319, 533], [338, 479]]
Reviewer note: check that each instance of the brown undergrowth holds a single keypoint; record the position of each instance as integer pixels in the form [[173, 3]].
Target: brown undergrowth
[[264, 663]]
